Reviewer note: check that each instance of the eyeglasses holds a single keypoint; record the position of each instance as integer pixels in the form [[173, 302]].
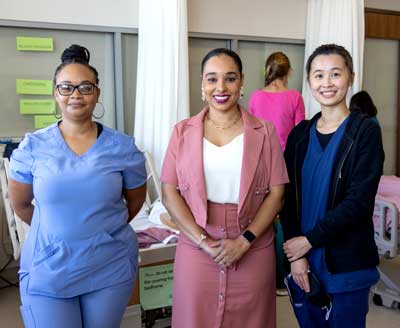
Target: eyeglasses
[[84, 88]]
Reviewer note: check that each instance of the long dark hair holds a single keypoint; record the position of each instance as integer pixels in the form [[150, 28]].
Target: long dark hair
[[362, 102]]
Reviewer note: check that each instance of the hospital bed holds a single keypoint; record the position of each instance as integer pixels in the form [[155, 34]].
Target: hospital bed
[[153, 256], [17, 228], [387, 230]]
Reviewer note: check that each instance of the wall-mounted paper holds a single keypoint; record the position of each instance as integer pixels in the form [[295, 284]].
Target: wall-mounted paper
[[42, 121], [34, 44], [156, 286], [37, 106], [35, 87]]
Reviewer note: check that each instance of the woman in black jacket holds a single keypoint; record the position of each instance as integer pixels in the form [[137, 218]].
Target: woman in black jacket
[[334, 162]]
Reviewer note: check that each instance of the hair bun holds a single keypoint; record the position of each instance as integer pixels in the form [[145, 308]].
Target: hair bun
[[75, 53]]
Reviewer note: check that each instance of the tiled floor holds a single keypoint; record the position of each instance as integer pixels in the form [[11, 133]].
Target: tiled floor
[[377, 317]]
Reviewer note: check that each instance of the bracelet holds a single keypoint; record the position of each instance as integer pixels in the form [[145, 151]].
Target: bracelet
[[202, 238], [302, 257], [249, 236]]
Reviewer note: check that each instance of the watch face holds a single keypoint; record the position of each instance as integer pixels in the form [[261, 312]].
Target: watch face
[[249, 236]]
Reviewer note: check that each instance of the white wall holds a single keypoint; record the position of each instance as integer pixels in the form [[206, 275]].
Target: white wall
[[119, 13], [383, 4], [284, 18], [270, 18]]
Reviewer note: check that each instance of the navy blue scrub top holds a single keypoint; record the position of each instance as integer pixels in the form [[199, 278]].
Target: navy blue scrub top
[[316, 180]]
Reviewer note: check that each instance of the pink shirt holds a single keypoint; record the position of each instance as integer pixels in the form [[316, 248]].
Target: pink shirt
[[284, 109]]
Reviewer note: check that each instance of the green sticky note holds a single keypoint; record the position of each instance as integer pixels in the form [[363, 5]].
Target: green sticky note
[[34, 44], [37, 106], [155, 284], [35, 87], [42, 121]]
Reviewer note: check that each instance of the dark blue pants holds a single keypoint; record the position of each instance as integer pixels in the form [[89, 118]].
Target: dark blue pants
[[349, 310]]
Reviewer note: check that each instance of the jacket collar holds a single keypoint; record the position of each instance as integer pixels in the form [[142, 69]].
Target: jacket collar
[[301, 146], [355, 120]]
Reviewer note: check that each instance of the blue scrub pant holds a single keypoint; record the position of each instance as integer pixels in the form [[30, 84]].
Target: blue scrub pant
[[102, 308], [349, 310]]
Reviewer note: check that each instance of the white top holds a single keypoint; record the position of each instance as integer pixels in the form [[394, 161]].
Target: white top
[[222, 169]]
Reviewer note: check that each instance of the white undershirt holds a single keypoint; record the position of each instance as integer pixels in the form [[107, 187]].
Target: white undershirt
[[222, 169]]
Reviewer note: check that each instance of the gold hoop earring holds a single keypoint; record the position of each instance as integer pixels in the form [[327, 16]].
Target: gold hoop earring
[[102, 114], [203, 96], [57, 115]]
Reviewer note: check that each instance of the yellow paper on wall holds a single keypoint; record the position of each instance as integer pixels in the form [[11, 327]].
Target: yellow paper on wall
[[155, 283], [42, 121], [34, 44], [34, 87], [37, 106]]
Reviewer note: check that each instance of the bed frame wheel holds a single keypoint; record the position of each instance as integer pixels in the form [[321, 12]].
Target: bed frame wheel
[[377, 299]]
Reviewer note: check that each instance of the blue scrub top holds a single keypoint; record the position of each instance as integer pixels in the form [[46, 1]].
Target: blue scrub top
[[316, 181], [79, 240]]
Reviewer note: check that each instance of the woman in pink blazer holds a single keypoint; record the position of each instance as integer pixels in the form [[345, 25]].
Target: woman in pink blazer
[[223, 177]]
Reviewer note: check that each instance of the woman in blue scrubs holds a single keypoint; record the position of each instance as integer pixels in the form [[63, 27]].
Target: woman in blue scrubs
[[334, 161], [87, 181]]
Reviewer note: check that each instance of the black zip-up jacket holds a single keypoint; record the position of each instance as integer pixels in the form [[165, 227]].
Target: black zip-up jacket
[[346, 232]]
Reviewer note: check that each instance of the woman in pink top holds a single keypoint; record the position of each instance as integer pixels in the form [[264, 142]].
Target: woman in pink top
[[275, 102], [285, 109]]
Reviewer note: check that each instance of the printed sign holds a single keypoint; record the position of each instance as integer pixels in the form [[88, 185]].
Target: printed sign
[[34, 87], [156, 286], [34, 44], [37, 106], [43, 121]]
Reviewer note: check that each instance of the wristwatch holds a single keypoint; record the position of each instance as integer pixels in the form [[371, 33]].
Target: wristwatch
[[249, 236]]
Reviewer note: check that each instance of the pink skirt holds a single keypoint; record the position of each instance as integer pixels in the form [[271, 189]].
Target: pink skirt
[[206, 295]]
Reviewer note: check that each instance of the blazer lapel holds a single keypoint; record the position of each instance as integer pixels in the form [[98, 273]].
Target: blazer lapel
[[193, 144], [252, 147]]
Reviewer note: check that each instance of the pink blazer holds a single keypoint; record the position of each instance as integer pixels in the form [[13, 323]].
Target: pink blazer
[[263, 166]]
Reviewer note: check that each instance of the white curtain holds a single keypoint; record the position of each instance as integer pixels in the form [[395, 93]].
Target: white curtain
[[162, 94], [334, 21]]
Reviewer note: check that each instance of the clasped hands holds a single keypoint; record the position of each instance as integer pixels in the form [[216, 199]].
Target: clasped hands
[[296, 248], [226, 252]]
